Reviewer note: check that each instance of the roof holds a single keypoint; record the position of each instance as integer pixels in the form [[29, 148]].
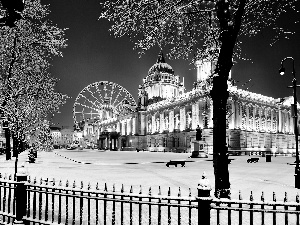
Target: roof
[[161, 66]]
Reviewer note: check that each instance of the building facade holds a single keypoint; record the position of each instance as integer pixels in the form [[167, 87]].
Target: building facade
[[55, 133], [166, 117]]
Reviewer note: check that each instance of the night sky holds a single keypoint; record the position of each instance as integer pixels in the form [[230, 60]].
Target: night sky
[[93, 55]]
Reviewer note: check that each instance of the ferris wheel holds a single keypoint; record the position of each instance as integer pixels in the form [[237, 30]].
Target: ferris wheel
[[101, 101]]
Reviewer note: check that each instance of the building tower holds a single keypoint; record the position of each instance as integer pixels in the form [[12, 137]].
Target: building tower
[[205, 70], [161, 83]]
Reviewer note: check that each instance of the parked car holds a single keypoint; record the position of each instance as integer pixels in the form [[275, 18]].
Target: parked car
[[72, 147]]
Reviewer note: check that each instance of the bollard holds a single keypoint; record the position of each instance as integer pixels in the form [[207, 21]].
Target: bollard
[[21, 199], [268, 157], [204, 200]]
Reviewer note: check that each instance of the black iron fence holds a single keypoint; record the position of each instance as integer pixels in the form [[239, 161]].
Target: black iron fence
[[51, 202]]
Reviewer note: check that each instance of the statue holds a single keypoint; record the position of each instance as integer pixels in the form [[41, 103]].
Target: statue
[[198, 133]]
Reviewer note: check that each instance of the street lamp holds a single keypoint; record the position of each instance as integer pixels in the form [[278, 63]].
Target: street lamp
[[282, 71]]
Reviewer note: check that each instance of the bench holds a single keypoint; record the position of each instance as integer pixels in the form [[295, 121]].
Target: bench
[[252, 160], [175, 163]]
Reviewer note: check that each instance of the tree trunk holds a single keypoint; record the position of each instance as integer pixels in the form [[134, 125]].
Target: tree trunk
[[220, 150], [15, 146], [7, 147], [220, 94]]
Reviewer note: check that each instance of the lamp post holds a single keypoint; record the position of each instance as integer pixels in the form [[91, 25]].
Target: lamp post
[[282, 71]]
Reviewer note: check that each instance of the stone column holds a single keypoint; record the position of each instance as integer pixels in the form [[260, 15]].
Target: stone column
[[153, 124], [171, 120], [133, 126], [201, 110], [210, 115], [182, 118], [128, 127], [247, 117], [260, 114], [142, 121], [123, 128], [284, 122], [254, 117], [279, 121], [291, 124], [118, 129], [271, 119], [237, 114], [195, 115], [232, 115], [162, 122]]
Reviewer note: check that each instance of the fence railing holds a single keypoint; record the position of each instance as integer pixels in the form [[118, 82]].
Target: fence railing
[[52, 202], [227, 211], [7, 201]]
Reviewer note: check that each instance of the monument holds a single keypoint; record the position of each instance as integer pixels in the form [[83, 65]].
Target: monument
[[199, 145]]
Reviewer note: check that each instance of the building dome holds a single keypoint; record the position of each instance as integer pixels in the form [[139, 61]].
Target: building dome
[[161, 66], [161, 82]]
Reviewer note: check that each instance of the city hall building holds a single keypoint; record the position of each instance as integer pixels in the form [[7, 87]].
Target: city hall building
[[166, 117]]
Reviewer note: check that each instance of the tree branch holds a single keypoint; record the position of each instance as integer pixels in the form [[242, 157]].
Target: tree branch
[[238, 18]]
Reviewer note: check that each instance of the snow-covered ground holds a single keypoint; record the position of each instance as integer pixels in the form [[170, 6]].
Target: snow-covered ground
[[149, 170]]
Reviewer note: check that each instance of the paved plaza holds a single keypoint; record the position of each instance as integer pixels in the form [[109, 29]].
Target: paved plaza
[[149, 170]]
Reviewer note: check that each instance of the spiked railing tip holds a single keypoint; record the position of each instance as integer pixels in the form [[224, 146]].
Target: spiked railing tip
[[60, 183], [240, 195], [274, 197], [105, 187], [179, 192], [149, 193], [159, 191], [285, 197], [131, 190], [74, 184], [81, 185], [67, 183], [297, 198], [41, 180], [89, 186], [262, 196], [140, 192], [53, 182], [190, 192], [122, 188], [251, 196], [169, 191], [114, 188], [97, 186]]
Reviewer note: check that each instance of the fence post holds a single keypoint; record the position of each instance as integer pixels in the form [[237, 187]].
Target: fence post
[[21, 199], [204, 200]]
